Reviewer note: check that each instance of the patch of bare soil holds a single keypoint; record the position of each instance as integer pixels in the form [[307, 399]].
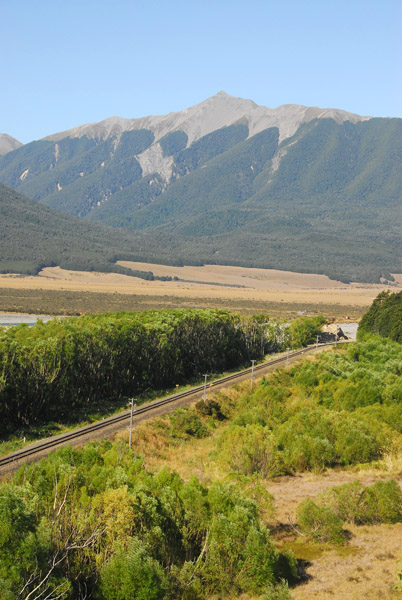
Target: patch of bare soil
[[365, 568]]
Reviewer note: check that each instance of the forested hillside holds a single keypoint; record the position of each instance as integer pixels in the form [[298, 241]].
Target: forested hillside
[[33, 236]]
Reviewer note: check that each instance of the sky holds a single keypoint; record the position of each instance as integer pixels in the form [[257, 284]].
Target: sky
[[68, 62]]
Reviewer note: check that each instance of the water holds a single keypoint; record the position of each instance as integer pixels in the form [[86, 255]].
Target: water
[[349, 329], [10, 319]]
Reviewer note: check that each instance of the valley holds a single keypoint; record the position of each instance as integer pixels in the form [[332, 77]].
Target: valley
[[201, 301], [280, 293], [192, 244]]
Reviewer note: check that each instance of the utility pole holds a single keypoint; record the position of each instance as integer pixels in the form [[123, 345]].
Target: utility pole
[[316, 345], [287, 359], [252, 374], [133, 403], [205, 388]]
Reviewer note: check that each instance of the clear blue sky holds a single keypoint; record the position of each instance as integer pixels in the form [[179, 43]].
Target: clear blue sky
[[68, 62]]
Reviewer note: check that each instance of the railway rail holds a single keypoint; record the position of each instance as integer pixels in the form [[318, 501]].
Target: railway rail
[[39, 448]]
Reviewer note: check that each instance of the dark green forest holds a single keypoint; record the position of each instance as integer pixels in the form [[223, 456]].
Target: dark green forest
[[53, 370], [384, 317], [33, 236]]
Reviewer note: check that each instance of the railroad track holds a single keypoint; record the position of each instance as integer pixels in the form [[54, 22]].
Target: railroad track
[[40, 447]]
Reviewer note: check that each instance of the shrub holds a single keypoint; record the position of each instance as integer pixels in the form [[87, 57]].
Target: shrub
[[250, 449], [184, 422], [133, 573], [210, 408], [345, 501], [382, 503], [355, 441], [276, 592], [320, 522], [378, 503]]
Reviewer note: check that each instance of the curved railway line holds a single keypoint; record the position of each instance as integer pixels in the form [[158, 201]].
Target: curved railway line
[[110, 425]]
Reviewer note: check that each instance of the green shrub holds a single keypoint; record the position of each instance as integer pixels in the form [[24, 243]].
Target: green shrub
[[276, 592], [184, 422], [382, 503], [378, 503], [355, 441], [250, 449], [346, 501], [304, 331], [210, 408], [133, 573], [320, 522], [285, 568]]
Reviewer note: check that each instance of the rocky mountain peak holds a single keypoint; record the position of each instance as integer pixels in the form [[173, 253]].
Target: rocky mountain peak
[[216, 112], [8, 143]]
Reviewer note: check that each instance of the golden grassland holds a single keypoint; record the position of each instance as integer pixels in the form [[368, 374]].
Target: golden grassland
[[279, 293], [365, 568]]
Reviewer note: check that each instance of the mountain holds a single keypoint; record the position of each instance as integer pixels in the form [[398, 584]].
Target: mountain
[[33, 236], [8, 143], [231, 182]]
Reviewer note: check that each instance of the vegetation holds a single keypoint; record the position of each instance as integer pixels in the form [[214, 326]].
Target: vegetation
[[384, 317], [97, 521], [33, 236], [350, 503], [52, 370], [94, 523], [341, 409]]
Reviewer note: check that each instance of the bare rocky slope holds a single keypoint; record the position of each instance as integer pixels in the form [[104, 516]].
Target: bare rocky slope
[[214, 113]]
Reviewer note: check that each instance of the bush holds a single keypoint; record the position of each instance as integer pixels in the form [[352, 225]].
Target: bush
[[355, 441], [250, 449], [304, 331], [345, 501], [184, 422], [382, 503], [320, 522], [133, 573], [210, 408], [378, 503], [276, 592]]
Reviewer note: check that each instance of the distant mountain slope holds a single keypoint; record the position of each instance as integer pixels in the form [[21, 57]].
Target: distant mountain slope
[[33, 236], [231, 182], [81, 169], [8, 143]]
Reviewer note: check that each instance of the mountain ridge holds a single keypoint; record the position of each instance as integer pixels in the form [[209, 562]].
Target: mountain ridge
[[322, 194], [288, 117]]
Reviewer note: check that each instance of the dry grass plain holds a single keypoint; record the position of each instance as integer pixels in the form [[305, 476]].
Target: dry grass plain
[[279, 293]]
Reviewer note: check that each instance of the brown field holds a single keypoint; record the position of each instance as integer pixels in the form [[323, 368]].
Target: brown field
[[279, 293]]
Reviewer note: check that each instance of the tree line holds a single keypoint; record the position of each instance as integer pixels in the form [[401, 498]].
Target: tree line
[[51, 370]]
